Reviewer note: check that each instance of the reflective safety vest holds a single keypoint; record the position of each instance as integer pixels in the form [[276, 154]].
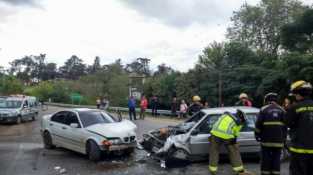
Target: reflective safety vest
[[226, 127]]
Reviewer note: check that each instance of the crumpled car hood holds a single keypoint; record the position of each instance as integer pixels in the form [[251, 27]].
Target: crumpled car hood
[[121, 129]]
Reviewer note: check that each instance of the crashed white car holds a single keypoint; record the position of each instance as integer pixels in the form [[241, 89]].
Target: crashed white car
[[88, 131]]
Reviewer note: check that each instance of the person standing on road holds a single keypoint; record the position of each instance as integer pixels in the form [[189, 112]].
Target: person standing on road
[[224, 133], [154, 105], [183, 109], [271, 131], [132, 108], [300, 122], [244, 100], [143, 107], [174, 106], [98, 102]]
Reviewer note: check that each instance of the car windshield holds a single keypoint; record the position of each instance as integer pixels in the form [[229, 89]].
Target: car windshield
[[89, 118], [249, 126], [196, 117], [2, 103], [11, 104]]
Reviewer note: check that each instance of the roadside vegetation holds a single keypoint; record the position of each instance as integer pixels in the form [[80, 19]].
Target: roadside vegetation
[[268, 46]]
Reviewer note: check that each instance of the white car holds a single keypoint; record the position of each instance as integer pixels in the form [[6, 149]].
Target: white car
[[89, 132]]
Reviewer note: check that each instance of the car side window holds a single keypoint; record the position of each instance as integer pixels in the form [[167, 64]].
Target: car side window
[[59, 117], [207, 124], [71, 117]]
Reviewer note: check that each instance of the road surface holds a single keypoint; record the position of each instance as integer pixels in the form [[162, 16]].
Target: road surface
[[22, 153]]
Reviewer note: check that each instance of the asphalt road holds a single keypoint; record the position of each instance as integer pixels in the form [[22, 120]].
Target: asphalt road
[[22, 153]]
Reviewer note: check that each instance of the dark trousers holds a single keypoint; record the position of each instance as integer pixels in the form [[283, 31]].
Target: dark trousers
[[301, 164], [132, 114], [154, 110], [270, 160]]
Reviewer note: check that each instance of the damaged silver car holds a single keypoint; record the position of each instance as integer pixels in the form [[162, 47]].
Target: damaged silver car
[[189, 140]]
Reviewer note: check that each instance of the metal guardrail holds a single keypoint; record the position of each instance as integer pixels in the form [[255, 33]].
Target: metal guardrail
[[121, 109]]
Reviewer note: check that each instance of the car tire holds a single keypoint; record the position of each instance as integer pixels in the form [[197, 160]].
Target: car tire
[[47, 140], [18, 120], [129, 151], [93, 151], [178, 153], [34, 116]]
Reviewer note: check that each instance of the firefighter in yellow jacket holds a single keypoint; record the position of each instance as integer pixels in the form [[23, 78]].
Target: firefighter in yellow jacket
[[224, 133]]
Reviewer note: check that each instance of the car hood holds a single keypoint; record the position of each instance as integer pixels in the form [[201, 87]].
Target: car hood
[[121, 129]]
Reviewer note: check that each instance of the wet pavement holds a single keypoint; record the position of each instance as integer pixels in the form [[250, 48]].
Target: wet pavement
[[22, 153]]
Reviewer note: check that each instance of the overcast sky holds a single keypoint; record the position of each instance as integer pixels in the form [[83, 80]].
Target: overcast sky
[[166, 31]]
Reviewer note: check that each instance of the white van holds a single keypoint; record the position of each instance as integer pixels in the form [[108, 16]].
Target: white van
[[18, 109]]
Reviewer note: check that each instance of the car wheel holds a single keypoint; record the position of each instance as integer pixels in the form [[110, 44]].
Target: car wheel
[[47, 140], [93, 151], [129, 151], [178, 153], [34, 116], [18, 120]]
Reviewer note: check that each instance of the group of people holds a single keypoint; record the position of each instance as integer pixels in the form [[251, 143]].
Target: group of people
[[273, 124], [143, 106], [102, 103], [181, 110]]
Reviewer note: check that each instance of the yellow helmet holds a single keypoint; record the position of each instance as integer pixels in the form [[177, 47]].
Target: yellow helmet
[[196, 98], [243, 95], [297, 84], [300, 85]]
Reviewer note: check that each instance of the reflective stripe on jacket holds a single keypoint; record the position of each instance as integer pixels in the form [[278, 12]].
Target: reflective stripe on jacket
[[300, 122], [226, 127], [270, 126]]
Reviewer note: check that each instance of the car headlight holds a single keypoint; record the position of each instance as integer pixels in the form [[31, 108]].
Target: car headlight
[[115, 141]]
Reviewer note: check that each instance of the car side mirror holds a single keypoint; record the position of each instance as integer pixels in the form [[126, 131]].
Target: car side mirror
[[195, 132], [74, 125]]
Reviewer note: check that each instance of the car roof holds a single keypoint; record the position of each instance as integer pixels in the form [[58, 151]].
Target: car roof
[[83, 109], [232, 109], [15, 98]]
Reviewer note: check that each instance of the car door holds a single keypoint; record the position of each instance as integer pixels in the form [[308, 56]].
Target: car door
[[199, 143], [74, 136], [57, 126], [25, 111]]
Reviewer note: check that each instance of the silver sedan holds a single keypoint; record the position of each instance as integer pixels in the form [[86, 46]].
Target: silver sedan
[[189, 140]]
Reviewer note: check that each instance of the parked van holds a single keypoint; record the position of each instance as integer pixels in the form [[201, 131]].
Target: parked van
[[17, 109]]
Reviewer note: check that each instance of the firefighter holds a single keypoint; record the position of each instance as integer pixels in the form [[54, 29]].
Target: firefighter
[[225, 132], [271, 131], [300, 121], [196, 106]]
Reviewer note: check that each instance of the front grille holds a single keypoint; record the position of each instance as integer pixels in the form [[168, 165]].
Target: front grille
[[4, 115], [132, 138], [129, 139], [126, 139]]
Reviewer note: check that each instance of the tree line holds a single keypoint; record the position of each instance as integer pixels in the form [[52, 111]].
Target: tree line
[[268, 46]]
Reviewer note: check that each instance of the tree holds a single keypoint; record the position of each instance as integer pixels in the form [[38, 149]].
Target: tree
[[298, 35], [163, 69], [139, 66], [259, 26], [23, 69], [73, 68], [95, 67]]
